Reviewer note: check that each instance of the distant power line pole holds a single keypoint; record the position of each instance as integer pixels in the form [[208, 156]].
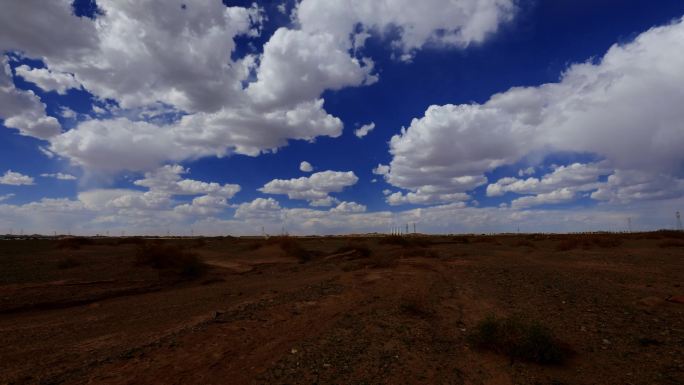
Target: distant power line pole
[[679, 221], [629, 224]]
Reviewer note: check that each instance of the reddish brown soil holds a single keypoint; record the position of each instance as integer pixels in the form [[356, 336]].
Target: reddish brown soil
[[399, 316]]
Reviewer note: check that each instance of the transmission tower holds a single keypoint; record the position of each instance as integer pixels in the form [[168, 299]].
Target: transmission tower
[[679, 221], [629, 224]]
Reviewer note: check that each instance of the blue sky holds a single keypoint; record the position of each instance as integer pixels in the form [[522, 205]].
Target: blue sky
[[487, 116]]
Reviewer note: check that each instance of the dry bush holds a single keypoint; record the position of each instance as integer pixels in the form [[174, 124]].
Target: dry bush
[[199, 243], [416, 304], [519, 340], [171, 259], [537, 237], [130, 241], [671, 243], [660, 234], [393, 240], [73, 243], [524, 243], [485, 239], [254, 245], [292, 248], [406, 241], [382, 261], [461, 239], [670, 234], [360, 247], [568, 244], [607, 241], [68, 263], [587, 242], [425, 253]]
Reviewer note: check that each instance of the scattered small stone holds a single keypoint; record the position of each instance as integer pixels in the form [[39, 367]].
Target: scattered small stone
[[606, 342], [676, 299], [218, 316]]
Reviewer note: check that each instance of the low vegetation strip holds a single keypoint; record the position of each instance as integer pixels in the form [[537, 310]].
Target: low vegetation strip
[[520, 340], [171, 259]]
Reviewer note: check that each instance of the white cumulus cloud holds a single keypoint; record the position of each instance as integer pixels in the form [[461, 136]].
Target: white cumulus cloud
[[453, 23], [348, 207], [168, 179], [59, 175], [577, 176], [315, 188], [48, 80], [305, 166], [15, 179], [623, 108], [23, 110], [364, 130], [6, 197]]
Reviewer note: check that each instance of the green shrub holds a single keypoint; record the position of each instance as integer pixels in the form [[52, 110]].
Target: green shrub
[[519, 340]]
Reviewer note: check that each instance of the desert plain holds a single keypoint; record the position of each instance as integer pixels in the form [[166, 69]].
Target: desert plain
[[372, 309]]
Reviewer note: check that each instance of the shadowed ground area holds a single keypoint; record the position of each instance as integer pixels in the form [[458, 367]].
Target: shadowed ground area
[[607, 309]]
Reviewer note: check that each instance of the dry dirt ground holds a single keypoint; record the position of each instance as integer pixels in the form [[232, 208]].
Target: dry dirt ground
[[340, 310]]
